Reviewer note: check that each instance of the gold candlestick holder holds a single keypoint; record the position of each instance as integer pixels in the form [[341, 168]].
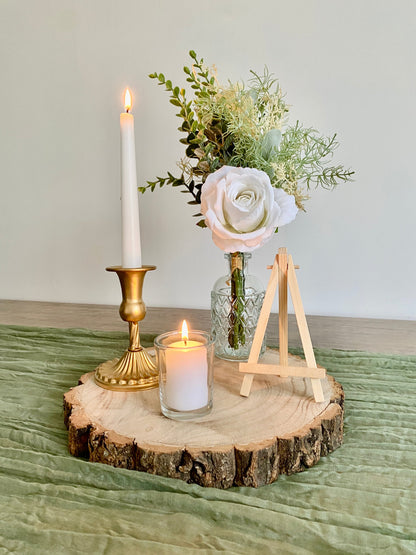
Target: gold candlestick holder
[[135, 370]]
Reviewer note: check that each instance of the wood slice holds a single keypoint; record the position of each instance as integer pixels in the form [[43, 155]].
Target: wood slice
[[245, 441]]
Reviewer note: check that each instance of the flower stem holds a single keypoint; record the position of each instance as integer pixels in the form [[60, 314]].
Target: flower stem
[[236, 333]]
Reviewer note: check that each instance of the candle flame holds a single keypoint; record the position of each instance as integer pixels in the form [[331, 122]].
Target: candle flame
[[185, 334], [127, 100]]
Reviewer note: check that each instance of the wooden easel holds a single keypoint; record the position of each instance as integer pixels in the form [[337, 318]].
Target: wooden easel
[[283, 274]]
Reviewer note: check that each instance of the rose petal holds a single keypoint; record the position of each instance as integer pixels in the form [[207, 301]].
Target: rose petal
[[287, 204]]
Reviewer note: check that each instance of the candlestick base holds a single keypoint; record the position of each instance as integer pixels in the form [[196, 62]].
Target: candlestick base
[[135, 370]]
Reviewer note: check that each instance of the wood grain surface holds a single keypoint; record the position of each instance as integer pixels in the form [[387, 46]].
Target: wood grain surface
[[244, 441], [328, 332]]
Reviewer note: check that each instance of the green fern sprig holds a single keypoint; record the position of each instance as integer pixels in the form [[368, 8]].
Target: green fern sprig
[[308, 153]]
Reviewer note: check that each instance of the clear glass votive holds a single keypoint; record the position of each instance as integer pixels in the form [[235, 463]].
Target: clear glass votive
[[186, 373]]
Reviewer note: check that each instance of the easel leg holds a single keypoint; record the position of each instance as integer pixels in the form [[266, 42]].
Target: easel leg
[[261, 327], [283, 321], [303, 329], [246, 385]]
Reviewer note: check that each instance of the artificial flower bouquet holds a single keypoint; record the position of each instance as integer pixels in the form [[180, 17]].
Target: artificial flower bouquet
[[244, 164]]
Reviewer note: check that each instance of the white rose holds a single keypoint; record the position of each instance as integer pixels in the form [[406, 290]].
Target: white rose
[[242, 209]]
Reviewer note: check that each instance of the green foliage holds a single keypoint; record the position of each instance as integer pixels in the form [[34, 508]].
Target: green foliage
[[245, 126], [308, 152]]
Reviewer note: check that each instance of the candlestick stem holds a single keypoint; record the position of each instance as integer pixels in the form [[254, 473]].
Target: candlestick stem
[[135, 370], [134, 336]]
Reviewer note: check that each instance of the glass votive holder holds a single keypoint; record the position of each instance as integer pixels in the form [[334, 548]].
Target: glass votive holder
[[186, 374]]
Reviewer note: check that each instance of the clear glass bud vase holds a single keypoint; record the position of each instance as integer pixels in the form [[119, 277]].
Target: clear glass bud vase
[[236, 302]]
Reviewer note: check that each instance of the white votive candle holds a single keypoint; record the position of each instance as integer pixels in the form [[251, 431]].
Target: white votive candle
[[186, 375]]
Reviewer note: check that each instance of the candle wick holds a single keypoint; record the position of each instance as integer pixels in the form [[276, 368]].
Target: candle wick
[[185, 341], [127, 110]]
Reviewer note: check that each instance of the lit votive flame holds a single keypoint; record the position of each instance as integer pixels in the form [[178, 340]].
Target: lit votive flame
[[185, 334], [127, 101]]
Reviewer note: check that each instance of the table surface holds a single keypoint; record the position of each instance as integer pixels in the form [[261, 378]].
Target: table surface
[[328, 332], [359, 499]]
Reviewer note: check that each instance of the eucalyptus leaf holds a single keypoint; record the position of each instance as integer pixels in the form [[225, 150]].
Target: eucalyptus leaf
[[254, 95], [270, 143]]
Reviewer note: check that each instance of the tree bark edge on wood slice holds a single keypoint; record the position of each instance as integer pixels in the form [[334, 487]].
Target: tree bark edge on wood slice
[[222, 466]]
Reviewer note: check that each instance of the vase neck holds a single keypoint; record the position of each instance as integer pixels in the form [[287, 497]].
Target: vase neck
[[237, 261]]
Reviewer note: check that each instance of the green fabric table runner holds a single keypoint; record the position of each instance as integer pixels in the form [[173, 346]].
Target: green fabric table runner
[[360, 499]]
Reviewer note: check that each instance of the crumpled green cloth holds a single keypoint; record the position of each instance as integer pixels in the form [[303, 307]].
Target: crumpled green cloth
[[360, 499]]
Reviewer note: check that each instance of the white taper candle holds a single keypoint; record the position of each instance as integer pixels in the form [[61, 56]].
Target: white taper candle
[[130, 233]]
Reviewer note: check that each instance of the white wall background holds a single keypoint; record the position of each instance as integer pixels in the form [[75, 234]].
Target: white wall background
[[347, 67]]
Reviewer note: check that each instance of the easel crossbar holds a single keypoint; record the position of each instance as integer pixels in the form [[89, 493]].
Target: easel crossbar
[[282, 371]]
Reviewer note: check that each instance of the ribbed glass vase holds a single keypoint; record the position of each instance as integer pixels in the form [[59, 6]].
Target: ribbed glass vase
[[236, 301]]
